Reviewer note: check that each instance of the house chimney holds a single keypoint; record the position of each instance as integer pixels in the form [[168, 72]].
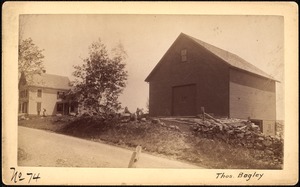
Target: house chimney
[[44, 71]]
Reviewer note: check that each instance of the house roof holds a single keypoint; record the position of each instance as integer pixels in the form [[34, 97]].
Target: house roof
[[230, 58], [46, 80]]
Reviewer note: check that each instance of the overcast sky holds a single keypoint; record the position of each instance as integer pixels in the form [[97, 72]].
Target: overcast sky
[[65, 38]]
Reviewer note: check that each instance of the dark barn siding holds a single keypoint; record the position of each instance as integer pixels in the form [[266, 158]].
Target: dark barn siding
[[205, 70], [184, 100], [251, 96], [223, 88], [160, 100], [212, 83]]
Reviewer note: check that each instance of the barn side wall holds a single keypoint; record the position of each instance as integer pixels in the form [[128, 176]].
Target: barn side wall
[[251, 96], [202, 68]]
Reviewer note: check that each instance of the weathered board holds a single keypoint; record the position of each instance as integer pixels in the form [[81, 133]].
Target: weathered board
[[251, 96]]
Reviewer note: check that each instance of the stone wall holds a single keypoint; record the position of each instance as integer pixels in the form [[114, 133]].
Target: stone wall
[[279, 126], [244, 134], [236, 133]]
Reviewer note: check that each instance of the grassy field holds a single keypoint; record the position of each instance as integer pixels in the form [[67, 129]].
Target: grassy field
[[180, 144]]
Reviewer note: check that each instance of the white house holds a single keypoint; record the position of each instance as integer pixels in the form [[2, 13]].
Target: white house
[[44, 92]]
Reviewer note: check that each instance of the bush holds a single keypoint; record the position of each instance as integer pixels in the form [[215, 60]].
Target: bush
[[86, 126]]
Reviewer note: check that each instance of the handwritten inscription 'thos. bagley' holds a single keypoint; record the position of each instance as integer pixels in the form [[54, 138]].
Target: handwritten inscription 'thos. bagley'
[[246, 176]]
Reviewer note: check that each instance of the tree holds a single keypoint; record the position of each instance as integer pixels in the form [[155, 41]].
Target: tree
[[30, 58], [100, 80]]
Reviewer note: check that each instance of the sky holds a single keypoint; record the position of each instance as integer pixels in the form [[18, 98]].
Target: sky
[[146, 38]]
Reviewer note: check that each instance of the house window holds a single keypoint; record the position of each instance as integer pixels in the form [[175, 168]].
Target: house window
[[183, 55], [24, 107], [59, 107], [39, 93], [60, 95], [73, 107], [39, 107]]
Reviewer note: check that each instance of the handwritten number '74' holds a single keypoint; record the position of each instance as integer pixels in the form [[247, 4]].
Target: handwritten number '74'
[[17, 176]]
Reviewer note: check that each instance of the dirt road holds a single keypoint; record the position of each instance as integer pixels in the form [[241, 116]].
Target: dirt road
[[43, 148]]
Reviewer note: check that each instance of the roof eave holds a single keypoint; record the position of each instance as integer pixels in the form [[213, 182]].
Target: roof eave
[[269, 78], [158, 64], [46, 87], [193, 40]]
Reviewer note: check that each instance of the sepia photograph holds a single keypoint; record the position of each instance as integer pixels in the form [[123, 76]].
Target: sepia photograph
[[150, 91], [122, 82]]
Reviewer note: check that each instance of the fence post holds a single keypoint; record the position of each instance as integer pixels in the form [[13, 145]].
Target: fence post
[[203, 113], [135, 157]]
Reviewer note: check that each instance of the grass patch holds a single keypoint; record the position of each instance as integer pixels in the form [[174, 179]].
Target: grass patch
[[46, 123]]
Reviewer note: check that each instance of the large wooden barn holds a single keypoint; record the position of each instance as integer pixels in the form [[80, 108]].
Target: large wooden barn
[[194, 74]]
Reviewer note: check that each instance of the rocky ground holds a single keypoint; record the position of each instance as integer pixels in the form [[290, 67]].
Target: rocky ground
[[210, 143], [237, 134]]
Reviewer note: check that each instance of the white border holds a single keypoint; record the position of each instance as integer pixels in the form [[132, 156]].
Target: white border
[[93, 176]]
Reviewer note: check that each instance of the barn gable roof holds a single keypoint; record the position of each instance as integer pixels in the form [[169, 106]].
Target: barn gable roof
[[45, 80], [230, 58]]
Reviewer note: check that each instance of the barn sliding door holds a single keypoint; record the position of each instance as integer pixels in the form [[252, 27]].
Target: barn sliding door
[[184, 100]]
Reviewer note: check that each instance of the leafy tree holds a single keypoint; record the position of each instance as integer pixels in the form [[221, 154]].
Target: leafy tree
[[30, 58], [100, 80]]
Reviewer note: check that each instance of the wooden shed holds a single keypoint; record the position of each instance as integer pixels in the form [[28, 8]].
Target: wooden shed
[[194, 74]]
